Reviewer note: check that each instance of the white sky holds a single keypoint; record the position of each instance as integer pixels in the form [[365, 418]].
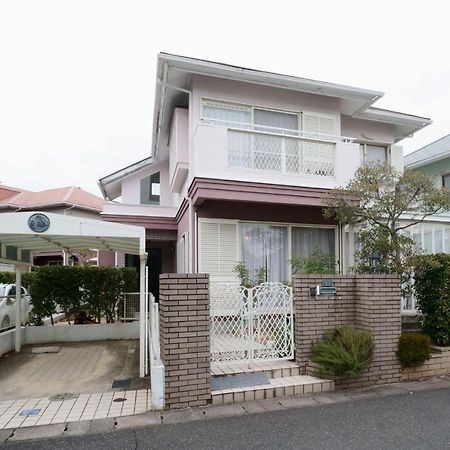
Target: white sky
[[77, 78]]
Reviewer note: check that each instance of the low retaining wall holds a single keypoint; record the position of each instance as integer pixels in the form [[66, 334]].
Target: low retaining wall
[[439, 364], [69, 333], [7, 341]]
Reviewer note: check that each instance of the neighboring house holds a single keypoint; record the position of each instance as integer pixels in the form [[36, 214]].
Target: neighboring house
[[433, 236], [240, 162], [69, 200]]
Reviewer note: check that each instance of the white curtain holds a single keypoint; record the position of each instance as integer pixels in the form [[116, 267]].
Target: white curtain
[[306, 240], [229, 114], [265, 246], [274, 119], [375, 154]]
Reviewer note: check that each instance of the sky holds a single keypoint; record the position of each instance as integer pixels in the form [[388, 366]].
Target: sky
[[77, 78]]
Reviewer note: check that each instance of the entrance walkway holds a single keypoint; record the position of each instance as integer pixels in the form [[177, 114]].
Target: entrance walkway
[[43, 411]]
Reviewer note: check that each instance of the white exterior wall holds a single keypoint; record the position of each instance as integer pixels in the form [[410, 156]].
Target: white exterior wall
[[131, 186]]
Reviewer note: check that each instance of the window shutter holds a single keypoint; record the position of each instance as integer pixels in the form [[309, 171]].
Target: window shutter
[[318, 158], [218, 250], [314, 123], [397, 157]]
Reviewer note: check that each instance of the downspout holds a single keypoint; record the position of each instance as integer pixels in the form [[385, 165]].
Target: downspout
[[67, 209]]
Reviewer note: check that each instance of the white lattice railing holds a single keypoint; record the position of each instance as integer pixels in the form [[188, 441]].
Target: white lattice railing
[[279, 153]]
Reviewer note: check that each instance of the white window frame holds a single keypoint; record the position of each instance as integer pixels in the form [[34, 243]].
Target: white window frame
[[378, 144]]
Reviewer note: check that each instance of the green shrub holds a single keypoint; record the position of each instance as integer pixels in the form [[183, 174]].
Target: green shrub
[[343, 352], [316, 262], [413, 349], [432, 288]]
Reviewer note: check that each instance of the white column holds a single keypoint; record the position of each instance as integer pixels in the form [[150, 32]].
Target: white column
[[143, 315], [18, 334]]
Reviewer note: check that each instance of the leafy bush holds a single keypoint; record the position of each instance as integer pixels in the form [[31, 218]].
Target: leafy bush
[[97, 289], [343, 352], [413, 349], [102, 287], [244, 275], [432, 288], [53, 286], [316, 262]]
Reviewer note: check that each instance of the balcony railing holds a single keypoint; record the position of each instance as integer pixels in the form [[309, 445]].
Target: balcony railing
[[260, 150]]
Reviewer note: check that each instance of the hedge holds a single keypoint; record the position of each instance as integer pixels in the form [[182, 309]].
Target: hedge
[[97, 289], [432, 289]]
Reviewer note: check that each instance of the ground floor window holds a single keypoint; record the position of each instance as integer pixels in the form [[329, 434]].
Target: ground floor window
[[262, 247], [265, 248]]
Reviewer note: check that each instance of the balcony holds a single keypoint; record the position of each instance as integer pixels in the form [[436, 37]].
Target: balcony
[[273, 152], [273, 155]]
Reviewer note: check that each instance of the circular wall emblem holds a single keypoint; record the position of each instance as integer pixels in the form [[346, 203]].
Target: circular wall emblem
[[39, 223]]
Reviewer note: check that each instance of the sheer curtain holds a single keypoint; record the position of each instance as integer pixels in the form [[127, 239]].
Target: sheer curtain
[[230, 114], [307, 240], [265, 246]]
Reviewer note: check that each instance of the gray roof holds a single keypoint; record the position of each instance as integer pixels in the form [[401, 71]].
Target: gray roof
[[435, 151]]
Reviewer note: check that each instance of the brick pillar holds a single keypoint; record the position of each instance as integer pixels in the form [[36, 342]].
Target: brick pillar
[[378, 311], [313, 315], [185, 339]]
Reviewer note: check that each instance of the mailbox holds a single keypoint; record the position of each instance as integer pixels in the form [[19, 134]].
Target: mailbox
[[326, 287]]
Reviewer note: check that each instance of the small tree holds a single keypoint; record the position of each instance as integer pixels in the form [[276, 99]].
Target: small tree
[[379, 197]]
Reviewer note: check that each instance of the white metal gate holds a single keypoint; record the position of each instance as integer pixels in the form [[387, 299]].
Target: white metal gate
[[255, 323]]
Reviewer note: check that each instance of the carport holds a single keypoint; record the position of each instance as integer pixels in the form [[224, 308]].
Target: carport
[[23, 233]]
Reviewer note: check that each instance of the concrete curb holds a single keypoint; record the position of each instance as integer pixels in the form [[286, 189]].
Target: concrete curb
[[166, 418]]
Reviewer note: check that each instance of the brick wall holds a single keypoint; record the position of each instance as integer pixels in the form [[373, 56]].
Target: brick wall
[[185, 339], [370, 302], [439, 364]]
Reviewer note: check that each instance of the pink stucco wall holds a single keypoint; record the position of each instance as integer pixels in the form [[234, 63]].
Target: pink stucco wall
[[366, 130], [106, 258]]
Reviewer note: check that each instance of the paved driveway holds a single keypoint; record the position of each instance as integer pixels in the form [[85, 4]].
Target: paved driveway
[[78, 368]]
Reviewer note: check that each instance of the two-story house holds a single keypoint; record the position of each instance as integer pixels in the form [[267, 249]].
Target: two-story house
[[240, 162]]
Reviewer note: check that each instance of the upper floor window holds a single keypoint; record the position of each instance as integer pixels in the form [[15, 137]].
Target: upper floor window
[[228, 113], [150, 189], [446, 181], [373, 154]]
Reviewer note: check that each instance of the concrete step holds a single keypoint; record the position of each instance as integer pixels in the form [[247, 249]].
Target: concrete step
[[272, 369], [277, 387]]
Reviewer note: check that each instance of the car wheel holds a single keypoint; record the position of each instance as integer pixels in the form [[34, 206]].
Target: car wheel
[[6, 322]]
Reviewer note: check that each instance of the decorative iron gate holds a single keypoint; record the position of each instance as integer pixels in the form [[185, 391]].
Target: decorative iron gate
[[255, 323]]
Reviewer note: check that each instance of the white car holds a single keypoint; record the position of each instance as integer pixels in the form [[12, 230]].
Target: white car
[[8, 306]]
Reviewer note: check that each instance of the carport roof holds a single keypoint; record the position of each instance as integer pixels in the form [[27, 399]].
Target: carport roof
[[25, 232]]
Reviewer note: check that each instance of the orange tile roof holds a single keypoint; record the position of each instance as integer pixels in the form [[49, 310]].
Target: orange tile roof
[[70, 195]]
